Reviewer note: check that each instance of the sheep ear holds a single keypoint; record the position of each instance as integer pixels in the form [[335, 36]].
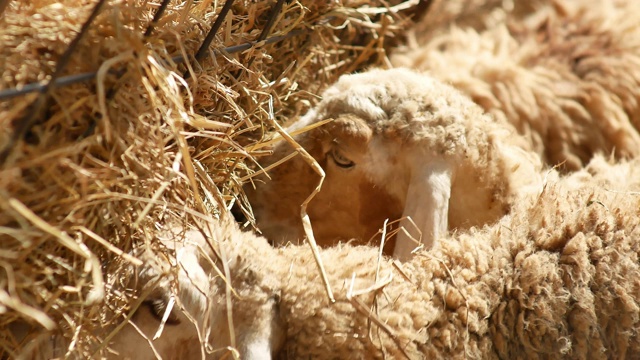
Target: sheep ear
[[426, 206]]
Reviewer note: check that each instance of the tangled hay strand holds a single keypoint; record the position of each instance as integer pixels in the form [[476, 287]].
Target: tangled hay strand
[[113, 159]]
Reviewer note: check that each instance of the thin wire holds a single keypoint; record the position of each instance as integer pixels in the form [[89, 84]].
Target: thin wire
[[72, 79], [202, 51], [37, 108], [277, 8], [156, 17]]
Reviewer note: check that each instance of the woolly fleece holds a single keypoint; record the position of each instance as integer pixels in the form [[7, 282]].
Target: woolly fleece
[[565, 75]]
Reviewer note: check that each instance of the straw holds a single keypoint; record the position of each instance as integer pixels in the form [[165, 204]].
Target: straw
[[110, 161]]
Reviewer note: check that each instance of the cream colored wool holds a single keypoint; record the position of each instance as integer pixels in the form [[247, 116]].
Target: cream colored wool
[[419, 149], [200, 329], [567, 76], [556, 278], [476, 14]]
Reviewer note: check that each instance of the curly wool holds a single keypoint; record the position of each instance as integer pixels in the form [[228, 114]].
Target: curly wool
[[400, 128], [476, 14], [416, 108], [566, 76], [557, 278]]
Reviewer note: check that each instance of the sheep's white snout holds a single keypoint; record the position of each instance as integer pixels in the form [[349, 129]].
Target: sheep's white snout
[[258, 349], [426, 206], [262, 336]]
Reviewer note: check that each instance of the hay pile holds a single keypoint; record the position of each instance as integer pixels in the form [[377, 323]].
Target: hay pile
[[94, 169]]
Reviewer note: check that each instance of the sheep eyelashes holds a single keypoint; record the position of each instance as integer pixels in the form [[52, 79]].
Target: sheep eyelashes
[[341, 160], [402, 145]]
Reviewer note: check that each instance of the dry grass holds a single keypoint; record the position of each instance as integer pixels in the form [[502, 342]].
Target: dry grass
[[108, 162]]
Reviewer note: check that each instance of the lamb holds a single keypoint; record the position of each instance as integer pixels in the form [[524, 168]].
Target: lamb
[[558, 277], [566, 76], [200, 328], [401, 145]]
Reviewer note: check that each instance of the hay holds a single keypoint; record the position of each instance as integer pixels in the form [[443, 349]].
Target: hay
[[106, 163]]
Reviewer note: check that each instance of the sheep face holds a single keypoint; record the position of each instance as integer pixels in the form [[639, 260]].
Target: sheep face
[[251, 309], [390, 153], [401, 145], [350, 205]]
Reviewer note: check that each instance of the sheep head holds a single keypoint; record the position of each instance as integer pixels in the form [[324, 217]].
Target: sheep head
[[223, 299], [401, 145], [349, 206]]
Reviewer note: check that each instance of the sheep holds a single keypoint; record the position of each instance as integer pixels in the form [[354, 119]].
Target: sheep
[[476, 14], [202, 291], [401, 145], [558, 277], [566, 76], [198, 291]]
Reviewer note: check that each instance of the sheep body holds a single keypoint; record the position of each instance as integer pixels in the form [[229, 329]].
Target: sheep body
[[565, 75], [556, 277], [420, 149], [476, 14]]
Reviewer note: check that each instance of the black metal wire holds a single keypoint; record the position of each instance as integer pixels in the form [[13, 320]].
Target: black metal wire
[[92, 119], [64, 59], [277, 8], [202, 51], [156, 17], [271, 40], [33, 87], [38, 107], [120, 73], [77, 78]]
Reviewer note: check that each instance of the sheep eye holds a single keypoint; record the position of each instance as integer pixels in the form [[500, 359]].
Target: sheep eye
[[341, 160]]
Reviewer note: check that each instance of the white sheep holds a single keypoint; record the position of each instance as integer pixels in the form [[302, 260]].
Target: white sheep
[[558, 277], [199, 325], [476, 14], [401, 145], [566, 76]]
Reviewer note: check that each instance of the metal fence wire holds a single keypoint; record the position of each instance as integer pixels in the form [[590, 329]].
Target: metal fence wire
[[37, 110], [92, 167]]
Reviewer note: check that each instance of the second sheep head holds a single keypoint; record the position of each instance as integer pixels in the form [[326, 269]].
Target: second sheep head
[[402, 145]]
